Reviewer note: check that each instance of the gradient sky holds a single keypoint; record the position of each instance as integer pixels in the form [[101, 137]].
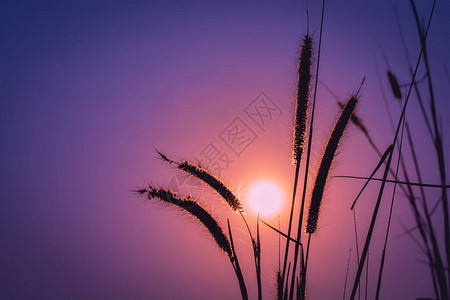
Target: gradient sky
[[90, 88]]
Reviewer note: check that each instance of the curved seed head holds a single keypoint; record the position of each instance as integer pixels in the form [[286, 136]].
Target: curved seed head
[[325, 164]]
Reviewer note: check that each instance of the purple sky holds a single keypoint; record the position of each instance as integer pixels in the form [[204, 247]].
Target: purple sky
[[90, 88]]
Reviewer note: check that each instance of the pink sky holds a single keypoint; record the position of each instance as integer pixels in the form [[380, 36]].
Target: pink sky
[[90, 89]]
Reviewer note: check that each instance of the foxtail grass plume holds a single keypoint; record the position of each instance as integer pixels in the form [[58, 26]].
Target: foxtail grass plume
[[213, 182], [355, 120], [301, 106], [203, 175], [195, 209], [394, 85], [325, 165]]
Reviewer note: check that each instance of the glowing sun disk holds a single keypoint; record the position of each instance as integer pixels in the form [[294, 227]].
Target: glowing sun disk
[[265, 197]]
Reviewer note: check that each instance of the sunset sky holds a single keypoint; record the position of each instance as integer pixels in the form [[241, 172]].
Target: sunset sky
[[89, 90]]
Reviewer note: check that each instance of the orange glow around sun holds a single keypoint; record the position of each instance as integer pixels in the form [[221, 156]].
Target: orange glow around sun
[[265, 197]]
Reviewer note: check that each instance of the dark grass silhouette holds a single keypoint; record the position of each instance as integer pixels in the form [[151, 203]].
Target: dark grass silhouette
[[291, 281], [300, 124], [194, 209], [325, 164]]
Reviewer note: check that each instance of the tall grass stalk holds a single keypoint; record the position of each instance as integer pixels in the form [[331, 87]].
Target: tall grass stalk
[[308, 157], [433, 267], [437, 140], [380, 194], [290, 279], [383, 256], [408, 192], [346, 273], [237, 267], [301, 112], [357, 249]]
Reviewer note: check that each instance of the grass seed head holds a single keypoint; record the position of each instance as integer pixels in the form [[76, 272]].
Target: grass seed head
[[355, 119], [394, 85], [194, 209], [302, 101], [213, 182], [325, 164]]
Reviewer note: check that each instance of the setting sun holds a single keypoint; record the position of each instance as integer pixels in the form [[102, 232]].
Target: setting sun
[[264, 197]]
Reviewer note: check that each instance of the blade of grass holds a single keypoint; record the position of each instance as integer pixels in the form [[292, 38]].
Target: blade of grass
[[380, 274], [301, 292], [280, 233], [406, 192], [430, 185], [357, 247], [409, 192], [375, 213], [438, 141], [367, 276], [383, 158], [416, 89], [287, 281], [257, 250], [346, 273]]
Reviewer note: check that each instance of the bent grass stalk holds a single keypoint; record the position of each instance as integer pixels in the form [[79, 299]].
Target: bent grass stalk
[[380, 194], [383, 158]]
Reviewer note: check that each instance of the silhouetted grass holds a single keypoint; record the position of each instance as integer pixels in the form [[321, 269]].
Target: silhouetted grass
[[325, 164], [290, 279], [194, 209]]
